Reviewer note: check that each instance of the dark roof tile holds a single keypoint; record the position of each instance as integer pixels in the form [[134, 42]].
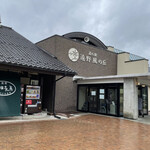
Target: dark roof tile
[[15, 49]]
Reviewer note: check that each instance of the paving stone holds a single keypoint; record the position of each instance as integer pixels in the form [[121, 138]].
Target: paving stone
[[87, 132]]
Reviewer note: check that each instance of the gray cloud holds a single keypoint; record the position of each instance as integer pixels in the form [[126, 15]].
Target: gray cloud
[[122, 24]]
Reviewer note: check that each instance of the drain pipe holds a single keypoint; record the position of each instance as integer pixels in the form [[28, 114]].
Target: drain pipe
[[54, 92]]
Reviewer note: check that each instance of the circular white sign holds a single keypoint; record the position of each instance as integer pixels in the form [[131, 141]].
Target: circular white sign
[[73, 54], [7, 88]]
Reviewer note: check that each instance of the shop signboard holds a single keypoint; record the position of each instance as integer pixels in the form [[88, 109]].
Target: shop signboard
[[7, 88], [10, 92], [90, 57]]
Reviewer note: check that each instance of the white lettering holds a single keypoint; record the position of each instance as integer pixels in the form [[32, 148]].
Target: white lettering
[[100, 61], [7, 88], [94, 60], [82, 57], [10, 88], [74, 55], [88, 58], [104, 62], [92, 54]]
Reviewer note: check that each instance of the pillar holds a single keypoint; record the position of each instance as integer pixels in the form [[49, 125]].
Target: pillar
[[130, 99], [148, 98]]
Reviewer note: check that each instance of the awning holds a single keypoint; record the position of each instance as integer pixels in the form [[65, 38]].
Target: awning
[[140, 78]]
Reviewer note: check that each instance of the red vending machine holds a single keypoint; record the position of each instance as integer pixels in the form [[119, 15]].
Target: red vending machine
[[33, 102]]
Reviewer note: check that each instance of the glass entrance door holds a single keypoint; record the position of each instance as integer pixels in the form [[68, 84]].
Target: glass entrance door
[[104, 99], [93, 99], [107, 103], [145, 100], [111, 101], [102, 106], [143, 93]]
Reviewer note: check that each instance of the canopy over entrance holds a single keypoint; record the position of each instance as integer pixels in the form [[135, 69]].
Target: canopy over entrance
[[140, 79]]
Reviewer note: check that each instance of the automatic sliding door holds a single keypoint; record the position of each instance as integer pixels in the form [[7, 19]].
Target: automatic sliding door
[[102, 106], [107, 102], [104, 99], [93, 99], [82, 98], [143, 93], [145, 100], [111, 101]]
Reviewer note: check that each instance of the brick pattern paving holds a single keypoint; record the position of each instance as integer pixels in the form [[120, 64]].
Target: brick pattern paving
[[89, 132]]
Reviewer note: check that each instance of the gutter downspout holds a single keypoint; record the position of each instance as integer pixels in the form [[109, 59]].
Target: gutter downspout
[[54, 92]]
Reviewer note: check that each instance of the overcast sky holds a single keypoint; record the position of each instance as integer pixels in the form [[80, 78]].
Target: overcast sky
[[124, 24]]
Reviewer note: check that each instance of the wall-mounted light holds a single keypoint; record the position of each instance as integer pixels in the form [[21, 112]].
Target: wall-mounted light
[[138, 83]]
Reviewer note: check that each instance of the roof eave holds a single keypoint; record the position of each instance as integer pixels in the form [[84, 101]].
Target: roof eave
[[11, 66]]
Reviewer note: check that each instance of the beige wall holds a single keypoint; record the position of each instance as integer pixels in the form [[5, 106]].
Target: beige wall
[[125, 66]]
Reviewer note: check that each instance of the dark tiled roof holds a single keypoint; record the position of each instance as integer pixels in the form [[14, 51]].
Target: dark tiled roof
[[17, 50]]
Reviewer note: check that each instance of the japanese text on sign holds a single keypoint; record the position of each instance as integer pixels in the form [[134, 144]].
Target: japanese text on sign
[[92, 58]]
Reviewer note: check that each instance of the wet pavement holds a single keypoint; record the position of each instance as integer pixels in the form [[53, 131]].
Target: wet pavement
[[87, 132], [145, 120]]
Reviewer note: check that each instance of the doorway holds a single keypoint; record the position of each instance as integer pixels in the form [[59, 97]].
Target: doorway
[[143, 93], [102, 99], [47, 93], [93, 99], [111, 100], [107, 100]]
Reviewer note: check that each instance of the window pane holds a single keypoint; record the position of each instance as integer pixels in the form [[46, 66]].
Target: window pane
[[101, 96], [101, 90]]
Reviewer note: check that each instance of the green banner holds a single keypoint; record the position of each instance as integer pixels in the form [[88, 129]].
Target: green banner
[[9, 94]]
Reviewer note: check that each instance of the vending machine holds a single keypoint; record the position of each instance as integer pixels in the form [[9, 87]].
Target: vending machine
[[33, 101]]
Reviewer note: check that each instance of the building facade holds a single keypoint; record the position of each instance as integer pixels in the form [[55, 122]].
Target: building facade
[[27, 75], [84, 64], [73, 72], [108, 81]]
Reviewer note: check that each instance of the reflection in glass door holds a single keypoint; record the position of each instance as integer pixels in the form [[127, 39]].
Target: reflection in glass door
[[143, 93], [107, 103], [104, 99], [111, 101], [145, 100], [82, 99], [93, 99]]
